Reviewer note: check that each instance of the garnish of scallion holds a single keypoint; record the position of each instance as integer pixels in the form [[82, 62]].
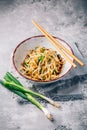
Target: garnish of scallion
[[30, 91], [11, 83]]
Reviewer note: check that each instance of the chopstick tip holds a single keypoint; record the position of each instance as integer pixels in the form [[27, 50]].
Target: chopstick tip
[[33, 21], [82, 64]]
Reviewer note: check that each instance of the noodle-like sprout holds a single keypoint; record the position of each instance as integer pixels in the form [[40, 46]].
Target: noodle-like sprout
[[42, 64]]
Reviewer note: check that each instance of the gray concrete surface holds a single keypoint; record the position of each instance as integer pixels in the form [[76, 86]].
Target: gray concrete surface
[[63, 18]]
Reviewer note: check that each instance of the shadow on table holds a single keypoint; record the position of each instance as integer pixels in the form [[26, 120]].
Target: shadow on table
[[62, 90]]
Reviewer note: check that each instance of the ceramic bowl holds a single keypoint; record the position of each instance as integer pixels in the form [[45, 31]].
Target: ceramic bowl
[[29, 44]]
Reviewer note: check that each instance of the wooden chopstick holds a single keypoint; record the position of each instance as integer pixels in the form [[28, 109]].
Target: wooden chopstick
[[65, 49], [59, 44], [66, 57]]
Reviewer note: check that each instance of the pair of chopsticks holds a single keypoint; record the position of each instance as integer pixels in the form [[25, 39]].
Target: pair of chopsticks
[[64, 51]]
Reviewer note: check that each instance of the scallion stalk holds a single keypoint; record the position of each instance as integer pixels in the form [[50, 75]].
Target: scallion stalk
[[12, 78], [13, 87]]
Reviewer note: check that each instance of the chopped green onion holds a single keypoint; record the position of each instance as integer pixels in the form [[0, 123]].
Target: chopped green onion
[[54, 71], [42, 49], [25, 64], [40, 58]]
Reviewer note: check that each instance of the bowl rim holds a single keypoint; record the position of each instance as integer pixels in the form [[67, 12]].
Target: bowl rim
[[38, 81]]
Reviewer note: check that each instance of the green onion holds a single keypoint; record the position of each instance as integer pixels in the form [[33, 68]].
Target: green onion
[[15, 86], [12, 78], [12, 84], [54, 72], [16, 92], [25, 64], [42, 49], [35, 102], [40, 58], [28, 97]]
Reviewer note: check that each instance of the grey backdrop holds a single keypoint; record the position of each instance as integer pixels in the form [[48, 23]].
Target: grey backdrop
[[64, 18]]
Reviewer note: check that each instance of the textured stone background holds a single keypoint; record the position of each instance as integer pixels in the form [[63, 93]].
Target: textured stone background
[[64, 18]]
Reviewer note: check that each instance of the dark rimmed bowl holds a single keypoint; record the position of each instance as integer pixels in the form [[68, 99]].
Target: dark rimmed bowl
[[29, 44]]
